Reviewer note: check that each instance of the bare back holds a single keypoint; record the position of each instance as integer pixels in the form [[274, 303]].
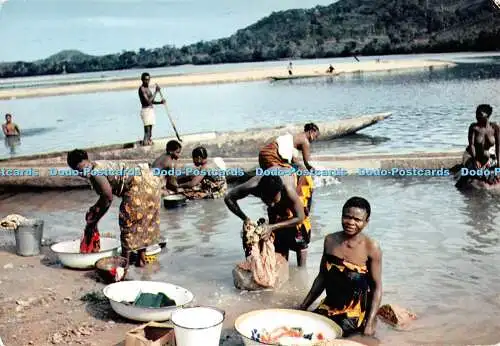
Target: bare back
[[164, 162], [300, 141]]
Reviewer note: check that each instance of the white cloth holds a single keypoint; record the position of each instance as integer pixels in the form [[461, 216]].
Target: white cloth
[[148, 116], [219, 162], [286, 149], [12, 222]]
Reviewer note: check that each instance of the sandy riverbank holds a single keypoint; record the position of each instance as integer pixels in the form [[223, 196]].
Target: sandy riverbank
[[223, 77], [50, 305]]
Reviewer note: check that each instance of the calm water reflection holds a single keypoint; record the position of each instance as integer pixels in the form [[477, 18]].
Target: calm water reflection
[[431, 109], [441, 251]]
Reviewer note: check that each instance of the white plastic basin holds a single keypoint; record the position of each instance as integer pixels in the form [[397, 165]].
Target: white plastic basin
[[68, 253]]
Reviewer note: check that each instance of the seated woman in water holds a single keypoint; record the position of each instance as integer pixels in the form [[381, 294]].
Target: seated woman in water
[[484, 136], [283, 151], [210, 183], [351, 273], [140, 191]]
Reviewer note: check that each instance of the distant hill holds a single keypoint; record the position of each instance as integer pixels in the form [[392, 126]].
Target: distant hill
[[362, 27], [69, 56]]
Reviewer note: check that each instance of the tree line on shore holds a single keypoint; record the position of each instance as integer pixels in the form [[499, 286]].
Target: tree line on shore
[[347, 27]]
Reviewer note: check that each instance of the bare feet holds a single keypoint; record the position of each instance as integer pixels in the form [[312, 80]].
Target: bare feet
[[141, 259]]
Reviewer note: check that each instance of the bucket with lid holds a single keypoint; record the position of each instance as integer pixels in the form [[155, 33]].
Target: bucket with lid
[[198, 326]]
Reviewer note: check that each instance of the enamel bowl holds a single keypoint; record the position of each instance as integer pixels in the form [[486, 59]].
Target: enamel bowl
[[68, 253], [122, 294], [251, 325]]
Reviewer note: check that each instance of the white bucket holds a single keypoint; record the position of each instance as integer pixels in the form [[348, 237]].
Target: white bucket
[[198, 326]]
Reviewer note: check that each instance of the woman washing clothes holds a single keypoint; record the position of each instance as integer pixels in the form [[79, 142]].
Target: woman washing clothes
[[284, 150], [484, 136], [140, 191], [209, 183]]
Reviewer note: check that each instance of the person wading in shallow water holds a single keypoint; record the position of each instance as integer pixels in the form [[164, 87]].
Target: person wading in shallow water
[[483, 136], [139, 216], [166, 162], [351, 273], [279, 193], [147, 99], [10, 128]]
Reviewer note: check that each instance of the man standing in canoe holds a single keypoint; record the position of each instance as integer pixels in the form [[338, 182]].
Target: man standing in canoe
[[10, 128], [289, 223], [147, 99], [283, 151]]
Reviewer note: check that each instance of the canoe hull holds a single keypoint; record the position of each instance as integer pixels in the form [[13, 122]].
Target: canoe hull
[[350, 164], [225, 144]]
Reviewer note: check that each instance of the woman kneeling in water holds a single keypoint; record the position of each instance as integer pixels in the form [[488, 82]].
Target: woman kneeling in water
[[209, 183]]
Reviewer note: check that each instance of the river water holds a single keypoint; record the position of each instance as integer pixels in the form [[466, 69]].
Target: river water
[[441, 250], [441, 247], [431, 108]]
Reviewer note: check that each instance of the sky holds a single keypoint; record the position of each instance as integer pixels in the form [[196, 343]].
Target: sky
[[35, 29]]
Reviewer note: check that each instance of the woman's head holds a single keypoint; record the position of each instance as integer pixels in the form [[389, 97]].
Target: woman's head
[[78, 159], [355, 215], [312, 131], [483, 113], [270, 187], [173, 149], [200, 156]]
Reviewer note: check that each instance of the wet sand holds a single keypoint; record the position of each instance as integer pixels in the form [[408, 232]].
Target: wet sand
[[223, 77]]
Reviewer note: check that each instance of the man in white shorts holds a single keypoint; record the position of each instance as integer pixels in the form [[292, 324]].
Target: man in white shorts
[[147, 111]]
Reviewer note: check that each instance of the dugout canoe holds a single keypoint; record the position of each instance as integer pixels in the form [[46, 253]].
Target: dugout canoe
[[440, 162], [224, 144]]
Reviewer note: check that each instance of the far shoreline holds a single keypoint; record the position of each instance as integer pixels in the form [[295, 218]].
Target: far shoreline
[[240, 75]]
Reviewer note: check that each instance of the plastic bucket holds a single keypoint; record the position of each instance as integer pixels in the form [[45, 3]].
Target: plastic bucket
[[198, 326], [29, 238]]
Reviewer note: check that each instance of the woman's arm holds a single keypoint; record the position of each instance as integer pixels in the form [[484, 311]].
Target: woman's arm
[[318, 285], [472, 138], [103, 188], [497, 143], [375, 270], [306, 154], [193, 180], [239, 192]]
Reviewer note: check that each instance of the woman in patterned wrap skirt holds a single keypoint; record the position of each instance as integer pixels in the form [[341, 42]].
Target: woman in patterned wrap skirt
[[140, 191]]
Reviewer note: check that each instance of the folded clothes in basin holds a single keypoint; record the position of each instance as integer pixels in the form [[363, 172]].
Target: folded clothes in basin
[[151, 300]]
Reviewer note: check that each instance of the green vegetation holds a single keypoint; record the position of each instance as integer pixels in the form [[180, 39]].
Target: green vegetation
[[362, 27]]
